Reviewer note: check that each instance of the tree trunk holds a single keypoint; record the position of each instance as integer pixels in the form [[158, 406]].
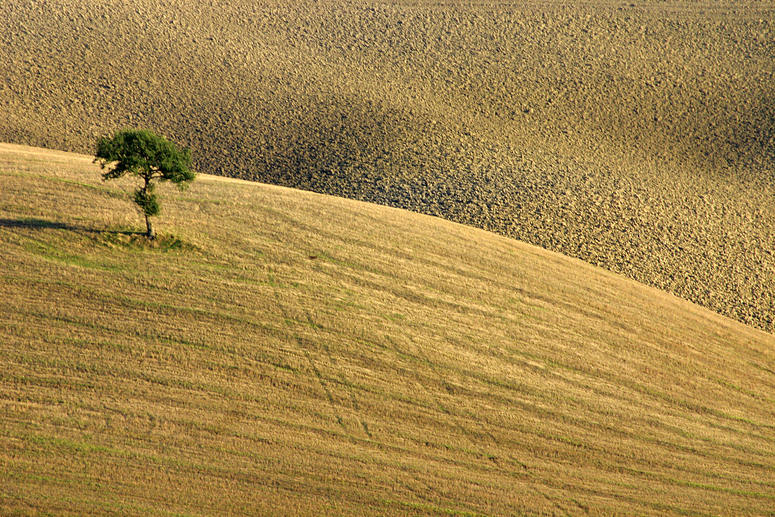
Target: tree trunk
[[149, 233]]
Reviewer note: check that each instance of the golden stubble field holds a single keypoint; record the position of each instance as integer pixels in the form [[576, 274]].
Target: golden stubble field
[[633, 135], [285, 352]]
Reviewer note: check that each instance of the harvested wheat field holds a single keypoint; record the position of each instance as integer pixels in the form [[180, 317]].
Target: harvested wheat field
[[285, 352], [638, 136]]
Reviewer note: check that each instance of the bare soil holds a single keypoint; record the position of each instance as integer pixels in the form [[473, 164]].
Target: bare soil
[[639, 136]]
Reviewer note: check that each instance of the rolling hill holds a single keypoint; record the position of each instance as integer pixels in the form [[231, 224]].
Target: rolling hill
[[638, 136], [285, 352]]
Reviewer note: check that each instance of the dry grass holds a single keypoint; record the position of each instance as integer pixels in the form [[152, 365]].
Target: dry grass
[[292, 353], [638, 136]]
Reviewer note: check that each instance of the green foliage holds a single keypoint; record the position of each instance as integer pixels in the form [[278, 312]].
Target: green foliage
[[148, 156], [147, 201], [144, 154]]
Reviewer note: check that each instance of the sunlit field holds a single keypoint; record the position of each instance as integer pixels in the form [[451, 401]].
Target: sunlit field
[[283, 352]]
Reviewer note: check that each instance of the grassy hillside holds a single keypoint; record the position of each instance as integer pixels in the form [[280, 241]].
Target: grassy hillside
[[637, 136], [281, 351]]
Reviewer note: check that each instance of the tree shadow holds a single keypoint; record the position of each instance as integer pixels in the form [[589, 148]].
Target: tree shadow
[[34, 223]]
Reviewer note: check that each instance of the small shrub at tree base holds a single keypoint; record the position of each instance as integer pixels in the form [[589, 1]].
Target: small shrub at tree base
[[148, 156]]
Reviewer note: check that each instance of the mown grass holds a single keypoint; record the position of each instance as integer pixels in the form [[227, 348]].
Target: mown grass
[[294, 353]]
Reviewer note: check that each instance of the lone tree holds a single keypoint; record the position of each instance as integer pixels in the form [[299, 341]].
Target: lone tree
[[148, 156]]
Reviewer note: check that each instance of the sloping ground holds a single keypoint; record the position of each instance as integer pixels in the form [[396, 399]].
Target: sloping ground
[[292, 353], [636, 136]]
